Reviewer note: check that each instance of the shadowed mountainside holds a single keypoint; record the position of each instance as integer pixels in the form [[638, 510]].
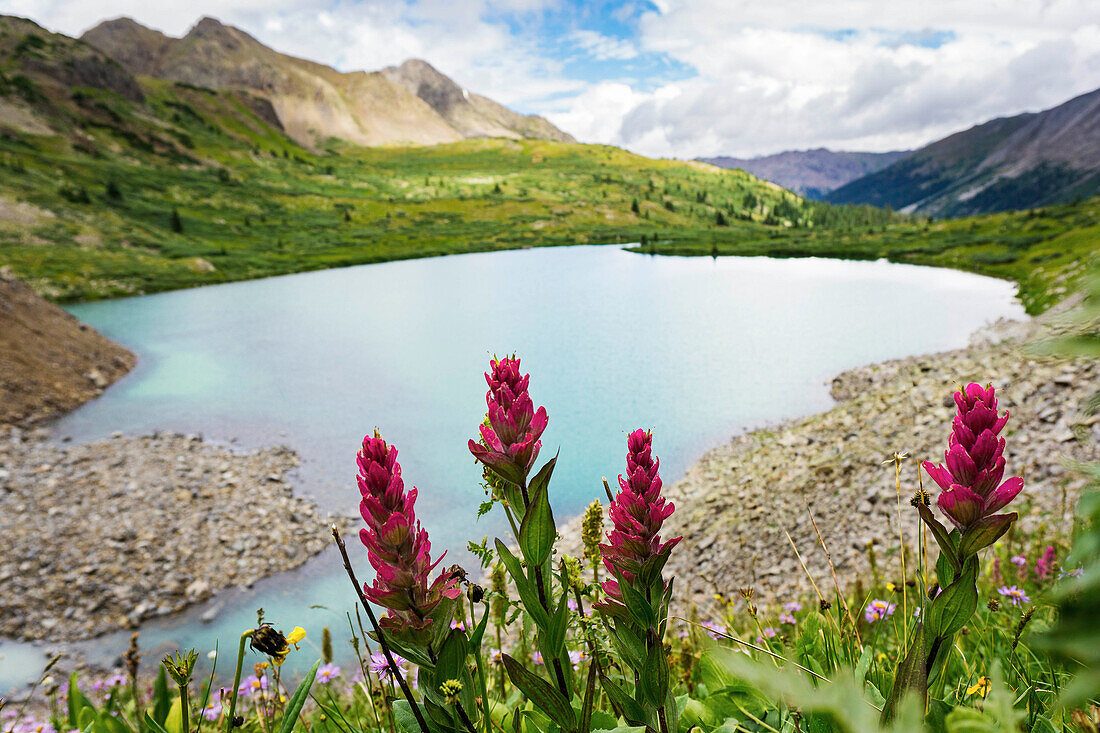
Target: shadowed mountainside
[[1032, 159], [812, 173]]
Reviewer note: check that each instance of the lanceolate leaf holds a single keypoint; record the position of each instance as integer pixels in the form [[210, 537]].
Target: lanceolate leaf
[[542, 693], [654, 675], [537, 531], [943, 538], [984, 533], [298, 699], [526, 593], [951, 609], [911, 676], [632, 711]]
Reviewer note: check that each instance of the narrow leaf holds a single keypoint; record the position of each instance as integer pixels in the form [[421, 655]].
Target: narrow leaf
[[537, 531], [911, 676], [984, 533], [527, 594], [298, 699], [542, 693], [943, 538]]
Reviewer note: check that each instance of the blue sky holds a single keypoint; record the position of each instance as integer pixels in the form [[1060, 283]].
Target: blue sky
[[686, 78]]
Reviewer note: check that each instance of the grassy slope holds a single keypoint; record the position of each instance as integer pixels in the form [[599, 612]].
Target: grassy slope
[[252, 203], [1046, 251]]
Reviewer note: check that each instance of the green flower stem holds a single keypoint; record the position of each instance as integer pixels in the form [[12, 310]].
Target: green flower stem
[[185, 712], [237, 681]]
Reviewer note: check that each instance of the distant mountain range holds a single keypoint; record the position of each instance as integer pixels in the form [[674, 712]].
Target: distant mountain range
[[1020, 162], [411, 103], [812, 173]]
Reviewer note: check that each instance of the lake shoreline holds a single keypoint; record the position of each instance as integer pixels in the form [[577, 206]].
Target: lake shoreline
[[736, 504], [105, 535]]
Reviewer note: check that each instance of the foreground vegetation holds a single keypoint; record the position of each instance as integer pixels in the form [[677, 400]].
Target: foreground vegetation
[[976, 628]]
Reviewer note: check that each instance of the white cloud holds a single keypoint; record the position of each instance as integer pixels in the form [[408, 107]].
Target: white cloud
[[849, 74], [604, 47]]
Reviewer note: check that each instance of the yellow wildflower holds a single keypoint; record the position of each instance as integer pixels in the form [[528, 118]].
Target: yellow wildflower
[[980, 687]]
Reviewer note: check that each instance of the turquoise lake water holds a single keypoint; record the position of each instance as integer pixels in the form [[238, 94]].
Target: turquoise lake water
[[695, 349]]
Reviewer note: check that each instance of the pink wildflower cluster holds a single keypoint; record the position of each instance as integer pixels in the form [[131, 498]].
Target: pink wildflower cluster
[[974, 461], [638, 512], [1044, 566], [512, 436], [397, 547]]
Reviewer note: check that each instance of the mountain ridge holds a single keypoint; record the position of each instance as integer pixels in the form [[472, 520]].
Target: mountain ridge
[[1024, 161], [314, 102], [813, 172]]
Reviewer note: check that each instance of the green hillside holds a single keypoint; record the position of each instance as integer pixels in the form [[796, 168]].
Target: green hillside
[[115, 185], [1046, 251]]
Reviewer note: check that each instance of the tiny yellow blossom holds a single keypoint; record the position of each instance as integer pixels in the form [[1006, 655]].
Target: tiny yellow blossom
[[981, 687], [890, 587], [296, 636]]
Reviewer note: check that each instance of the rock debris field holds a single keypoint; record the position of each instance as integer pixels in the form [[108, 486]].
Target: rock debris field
[[736, 504], [99, 537]]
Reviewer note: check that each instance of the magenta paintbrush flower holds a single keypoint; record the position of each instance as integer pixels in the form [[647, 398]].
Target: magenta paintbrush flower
[[511, 439], [638, 512], [974, 461], [397, 547]]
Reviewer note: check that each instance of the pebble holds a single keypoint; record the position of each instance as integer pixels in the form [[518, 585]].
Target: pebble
[[735, 506], [105, 535]]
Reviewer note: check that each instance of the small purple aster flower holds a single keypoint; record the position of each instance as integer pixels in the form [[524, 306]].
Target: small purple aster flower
[[328, 672], [714, 631], [212, 712], [878, 610], [787, 618], [252, 684], [536, 657], [1014, 594], [793, 607], [576, 656], [381, 667], [1020, 562]]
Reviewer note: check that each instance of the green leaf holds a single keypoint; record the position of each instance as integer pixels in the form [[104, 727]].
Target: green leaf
[[542, 694], [943, 538], [554, 639], [654, 675], [162, 700], [298, 699], [408, 651], [635, 602], [951, 609], [77, 703], [479, 631], [526, 593], [153, 725], [911, 677], [451, 660], [984, 533], [406, 720], [174, 722], [541, 480], [632, 711], [537, 532]]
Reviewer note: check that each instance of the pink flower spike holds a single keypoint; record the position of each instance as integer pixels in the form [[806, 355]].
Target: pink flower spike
[[397, 547], [974, 462], [510, 442]]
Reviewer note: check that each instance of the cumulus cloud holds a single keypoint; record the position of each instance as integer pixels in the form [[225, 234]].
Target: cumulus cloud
[[690, 77]]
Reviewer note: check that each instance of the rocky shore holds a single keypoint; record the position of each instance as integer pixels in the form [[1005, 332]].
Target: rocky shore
[[735, 506], [101, 536], [50, 362]]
